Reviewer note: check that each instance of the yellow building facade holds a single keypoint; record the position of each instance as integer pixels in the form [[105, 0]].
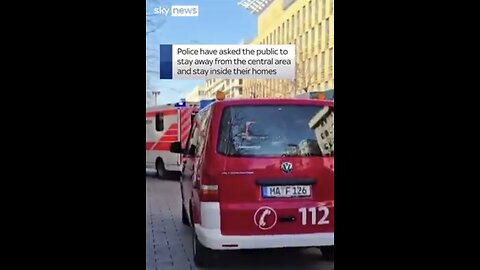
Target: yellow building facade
[[232, 88], [309, 25]]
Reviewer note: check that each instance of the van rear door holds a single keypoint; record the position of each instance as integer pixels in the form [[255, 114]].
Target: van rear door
[[277, 169]]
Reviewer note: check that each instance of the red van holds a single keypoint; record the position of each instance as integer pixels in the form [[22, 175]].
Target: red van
[[259, 174]]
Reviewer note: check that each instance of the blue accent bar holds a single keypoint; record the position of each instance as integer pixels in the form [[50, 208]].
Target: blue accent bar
[[264, 192], [205, 102], [166, 61]]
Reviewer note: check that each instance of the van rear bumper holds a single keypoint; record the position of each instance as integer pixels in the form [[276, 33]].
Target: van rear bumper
[[213, 239]]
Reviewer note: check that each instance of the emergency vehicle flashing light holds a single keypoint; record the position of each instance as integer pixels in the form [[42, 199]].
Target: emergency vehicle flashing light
[[220, 95]]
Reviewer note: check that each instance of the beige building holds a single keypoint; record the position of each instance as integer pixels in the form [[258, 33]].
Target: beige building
[[196, 94], [308, 24], [232, 88], [323, 124]]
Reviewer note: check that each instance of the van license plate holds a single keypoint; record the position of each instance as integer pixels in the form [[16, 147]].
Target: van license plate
[[286, 191]]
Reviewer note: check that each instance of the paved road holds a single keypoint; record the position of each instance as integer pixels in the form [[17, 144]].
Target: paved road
[[169, 242]]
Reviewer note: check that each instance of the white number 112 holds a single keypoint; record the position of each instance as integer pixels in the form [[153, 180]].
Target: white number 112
[[314, 210]]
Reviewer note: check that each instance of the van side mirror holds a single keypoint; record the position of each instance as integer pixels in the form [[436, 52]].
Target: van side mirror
[[176, 147]]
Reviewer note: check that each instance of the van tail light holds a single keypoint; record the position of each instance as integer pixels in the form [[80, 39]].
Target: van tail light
[[207, 188], [208, 193]]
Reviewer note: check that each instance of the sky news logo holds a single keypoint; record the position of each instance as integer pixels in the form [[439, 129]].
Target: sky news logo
[[177, 11]]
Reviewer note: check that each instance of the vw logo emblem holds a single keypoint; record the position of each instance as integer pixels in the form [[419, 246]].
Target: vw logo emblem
[[286, 167]]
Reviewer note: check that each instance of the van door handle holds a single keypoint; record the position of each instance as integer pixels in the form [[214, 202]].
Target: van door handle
[[287, 219]]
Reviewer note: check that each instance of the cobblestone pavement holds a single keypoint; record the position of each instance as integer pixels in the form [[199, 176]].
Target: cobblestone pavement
[[169, 242]]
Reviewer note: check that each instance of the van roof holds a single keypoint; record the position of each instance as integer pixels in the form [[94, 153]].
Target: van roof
[[283, 101]]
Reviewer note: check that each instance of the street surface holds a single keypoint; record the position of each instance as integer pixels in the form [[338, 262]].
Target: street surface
[[169, 242]]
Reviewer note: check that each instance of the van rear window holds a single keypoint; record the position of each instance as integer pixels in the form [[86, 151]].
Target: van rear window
[[275, 131]]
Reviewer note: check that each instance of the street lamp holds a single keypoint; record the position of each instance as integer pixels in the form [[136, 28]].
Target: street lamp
[[155, 94]]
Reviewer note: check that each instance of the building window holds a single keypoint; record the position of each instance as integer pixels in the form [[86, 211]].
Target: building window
[[159, 122], [312, 47], [298, 23], [283, 34], [296, 47], [322, 66], [300, 45], [315, 10], [330, 62], [315, 69], [288, 30], [304, 21], [306, 42], [319, 37], [327, 31], [279, 35], [306, 74], [324, 7], [311, 71], [310, 14], [292, 27]]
